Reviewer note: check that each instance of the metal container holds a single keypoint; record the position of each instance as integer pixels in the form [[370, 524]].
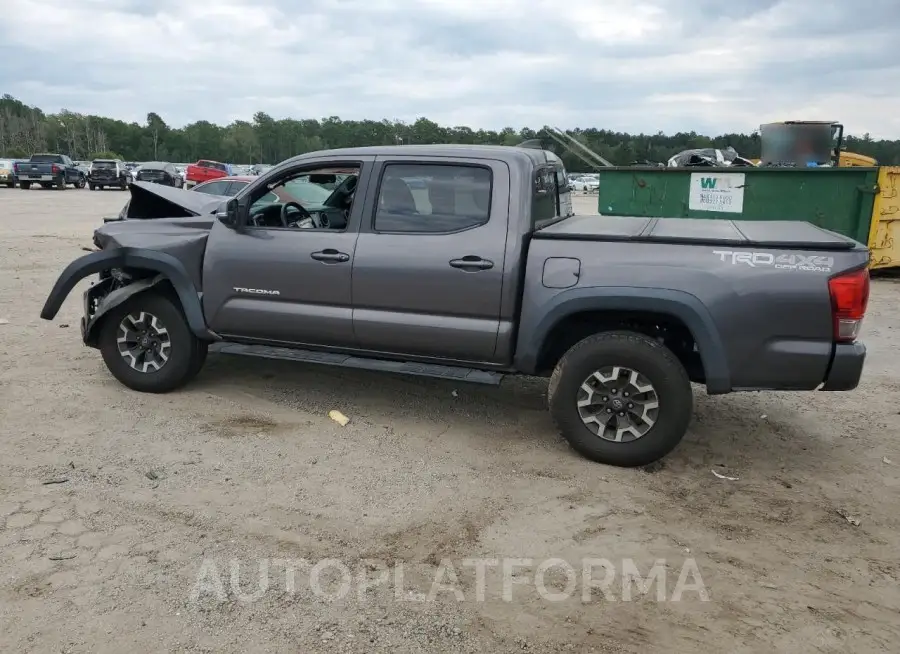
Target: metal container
[[839, 199]]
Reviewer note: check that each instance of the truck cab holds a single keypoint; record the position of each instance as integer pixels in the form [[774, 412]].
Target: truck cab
[[205, 170]]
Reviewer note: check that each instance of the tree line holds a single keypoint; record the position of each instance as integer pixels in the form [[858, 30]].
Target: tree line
[[25, 130]]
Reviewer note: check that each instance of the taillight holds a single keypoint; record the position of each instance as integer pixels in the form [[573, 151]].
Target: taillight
[[54, 169], [849, 298]]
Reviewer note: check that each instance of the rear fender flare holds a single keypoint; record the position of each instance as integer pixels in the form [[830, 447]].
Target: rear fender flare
[[168, 268], [682, 305]]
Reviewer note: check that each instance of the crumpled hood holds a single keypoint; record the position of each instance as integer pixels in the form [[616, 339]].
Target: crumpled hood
[[152, 235], [182, 238], [152, 201]]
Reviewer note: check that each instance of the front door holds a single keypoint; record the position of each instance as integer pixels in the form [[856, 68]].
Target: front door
[[290, 283], [428, 266]]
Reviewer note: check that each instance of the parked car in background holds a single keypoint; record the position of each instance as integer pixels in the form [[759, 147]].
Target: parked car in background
[[108, 172], [49, 170], [224, 186], [7, 173], [159, 172], [205, 170], [259, 169], [586, 184]]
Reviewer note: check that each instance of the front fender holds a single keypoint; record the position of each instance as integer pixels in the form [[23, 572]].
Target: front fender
[[679, 304], [167, 267]]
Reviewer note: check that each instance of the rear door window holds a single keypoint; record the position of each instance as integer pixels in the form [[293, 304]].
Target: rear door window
[[213, 188], [433, 198], [235, 187]]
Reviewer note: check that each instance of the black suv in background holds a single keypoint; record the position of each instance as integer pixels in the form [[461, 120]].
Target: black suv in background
[[159, 172], [108, 172]]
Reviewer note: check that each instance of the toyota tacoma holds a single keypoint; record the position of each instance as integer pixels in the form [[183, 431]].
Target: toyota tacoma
[[464, 262]]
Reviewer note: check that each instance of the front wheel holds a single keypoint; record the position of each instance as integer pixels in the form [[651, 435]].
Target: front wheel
[[621, 398], [147, 345], [80, 183]]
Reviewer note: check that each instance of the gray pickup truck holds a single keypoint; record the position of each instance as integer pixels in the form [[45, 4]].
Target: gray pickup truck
[[50, 170], [464, 262]]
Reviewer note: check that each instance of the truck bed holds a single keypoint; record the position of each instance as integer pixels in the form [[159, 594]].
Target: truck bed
[[794, 235]]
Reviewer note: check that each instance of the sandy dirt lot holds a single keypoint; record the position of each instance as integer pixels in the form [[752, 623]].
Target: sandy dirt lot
[[161, 496]]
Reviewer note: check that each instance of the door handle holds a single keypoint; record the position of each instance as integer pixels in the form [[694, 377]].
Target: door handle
[[330, 256], [471, 263]]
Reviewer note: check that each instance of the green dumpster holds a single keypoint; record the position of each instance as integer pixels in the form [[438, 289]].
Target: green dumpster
[[839, 199]]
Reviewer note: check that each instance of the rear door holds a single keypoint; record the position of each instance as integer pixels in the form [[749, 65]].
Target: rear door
[[428, 270]]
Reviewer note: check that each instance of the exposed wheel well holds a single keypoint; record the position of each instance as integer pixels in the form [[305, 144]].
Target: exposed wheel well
[[124, 277], [667, 329]]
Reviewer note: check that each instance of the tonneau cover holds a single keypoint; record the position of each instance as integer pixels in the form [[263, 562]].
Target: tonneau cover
[[790, 234]]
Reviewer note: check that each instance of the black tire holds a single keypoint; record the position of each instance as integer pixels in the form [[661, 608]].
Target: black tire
[[25, 185], [11, 184], [46, 185], [123, 185], [199, 358], [641, 354], [81, 182], [92, 187], [101, 187], [182, 364]]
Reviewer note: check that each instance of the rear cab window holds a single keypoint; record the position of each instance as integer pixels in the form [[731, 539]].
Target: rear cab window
[[433, 198], [47, 158], [550, 198]]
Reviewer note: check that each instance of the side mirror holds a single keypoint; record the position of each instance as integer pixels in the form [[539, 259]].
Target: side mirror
[[229, 214]]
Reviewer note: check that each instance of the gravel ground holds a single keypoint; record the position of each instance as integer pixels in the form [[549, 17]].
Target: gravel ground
[[161, 498]]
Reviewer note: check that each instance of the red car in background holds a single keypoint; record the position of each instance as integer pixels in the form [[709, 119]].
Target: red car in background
[[204, 171]]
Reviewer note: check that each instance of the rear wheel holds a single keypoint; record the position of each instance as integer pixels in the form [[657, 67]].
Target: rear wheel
[[101, 187], [11, 184], [81, 182], [46, 185], [123, 185], [25, 185], [147, 345], [61, 183], [92, 187], [621, 398]]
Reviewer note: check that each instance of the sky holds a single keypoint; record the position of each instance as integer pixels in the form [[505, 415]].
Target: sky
[[710, 66]]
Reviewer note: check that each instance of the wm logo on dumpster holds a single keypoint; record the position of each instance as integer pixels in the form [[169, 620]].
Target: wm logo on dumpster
[[708, 182]]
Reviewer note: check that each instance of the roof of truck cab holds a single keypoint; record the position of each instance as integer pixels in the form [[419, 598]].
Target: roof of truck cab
[[438, 150]]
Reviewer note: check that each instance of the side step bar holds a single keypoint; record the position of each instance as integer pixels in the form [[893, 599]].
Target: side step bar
[[346, 361]]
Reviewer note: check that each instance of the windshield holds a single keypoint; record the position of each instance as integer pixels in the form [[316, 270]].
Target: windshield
[[104, 165], [305, 192], [46, 158]]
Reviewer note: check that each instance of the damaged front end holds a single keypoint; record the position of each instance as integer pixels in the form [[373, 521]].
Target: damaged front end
[[158, 241], [152, 201]]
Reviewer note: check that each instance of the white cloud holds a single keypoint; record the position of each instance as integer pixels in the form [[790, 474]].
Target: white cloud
[[627, 65]]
